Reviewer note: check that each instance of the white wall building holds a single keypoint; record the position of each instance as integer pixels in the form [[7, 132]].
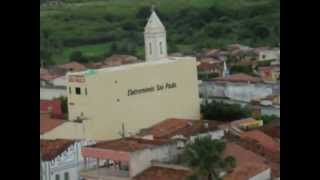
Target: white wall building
[[49, 93], [65, 165], [266, 55], [236, 91]]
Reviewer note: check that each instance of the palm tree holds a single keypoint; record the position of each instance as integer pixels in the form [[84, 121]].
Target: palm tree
[[205, 157]]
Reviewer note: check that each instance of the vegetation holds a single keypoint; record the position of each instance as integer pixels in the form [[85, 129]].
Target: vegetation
[[247, 69], [220, 111], [205, 157], [64, 104], [207, 76], [117, 25], [268, 118]]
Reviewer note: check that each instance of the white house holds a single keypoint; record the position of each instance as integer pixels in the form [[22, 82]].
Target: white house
[[267, 54], [61, 159]]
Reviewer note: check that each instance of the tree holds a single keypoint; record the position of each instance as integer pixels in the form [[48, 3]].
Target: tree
[[143, 12], [64, 104], [78, 56], [247, 69], [268, 118], [205, 157], [221, 111]]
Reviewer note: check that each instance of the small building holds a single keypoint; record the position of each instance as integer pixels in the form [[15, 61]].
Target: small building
[[269, 73], [241, 125], [182, 130], [120, 59], [268, 54], [240, 87], [249, 166], [52, 106], [52, 83], [210, 67], [125, 158], [61, 159], [164, 172], [266, 141], [72, 67], [265, 146]]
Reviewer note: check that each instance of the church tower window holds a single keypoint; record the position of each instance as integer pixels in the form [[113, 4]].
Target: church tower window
[[150, 48], [161, 51]]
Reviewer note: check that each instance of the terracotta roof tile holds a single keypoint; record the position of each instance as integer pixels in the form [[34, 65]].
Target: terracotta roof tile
[[50, 149], [162, 173], [75, 66], [186, 127], [239, 78], [263, 139], [248, 164], [129, 144]]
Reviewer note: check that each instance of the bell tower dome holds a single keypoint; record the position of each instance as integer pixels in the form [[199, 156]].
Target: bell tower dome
[[155, 39]]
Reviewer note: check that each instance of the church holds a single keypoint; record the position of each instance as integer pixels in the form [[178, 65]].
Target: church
[[119, 101]]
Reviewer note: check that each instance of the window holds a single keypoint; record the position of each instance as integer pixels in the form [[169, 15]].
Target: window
[[161, 48], [69, 90], [86, 91], [57, 177], [78, 90], [66, 176], [150, 48]]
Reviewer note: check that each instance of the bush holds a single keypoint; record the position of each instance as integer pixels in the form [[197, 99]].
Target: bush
[[64, 104], [241, 69], [78, 56], [268, 118], [221, 111]]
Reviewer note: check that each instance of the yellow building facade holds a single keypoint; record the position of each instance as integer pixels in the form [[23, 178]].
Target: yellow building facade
[[131, 97], [110, 102]]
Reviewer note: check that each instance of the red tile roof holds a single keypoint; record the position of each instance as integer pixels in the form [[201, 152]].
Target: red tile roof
[[272, 129], [47, 125], [186, 127], [163, 173], [263, 139], [129, 144], [50, 149], [248, 164], [239, 78], [47, 77], [205, 66], [75, 66], [54, 105]]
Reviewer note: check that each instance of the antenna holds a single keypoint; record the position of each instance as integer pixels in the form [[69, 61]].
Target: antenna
[[122, 133], [152, 8]]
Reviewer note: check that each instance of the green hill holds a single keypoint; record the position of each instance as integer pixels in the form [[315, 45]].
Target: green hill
[[99, 28]]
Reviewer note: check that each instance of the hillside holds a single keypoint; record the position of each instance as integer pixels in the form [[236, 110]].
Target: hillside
[[99, 28]]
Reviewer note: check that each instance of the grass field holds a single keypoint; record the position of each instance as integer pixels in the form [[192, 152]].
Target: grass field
[[90, 26]]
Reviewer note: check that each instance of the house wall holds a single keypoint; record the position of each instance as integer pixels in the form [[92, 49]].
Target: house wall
[[70, 161], [269, 55], [67, 130], [264, 175], [236, 91], [218, 134], [51, 93], [60, 81], [107, 105], [141, 160]]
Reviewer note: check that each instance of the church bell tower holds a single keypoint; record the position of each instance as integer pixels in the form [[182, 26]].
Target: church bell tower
[[155, 39]]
